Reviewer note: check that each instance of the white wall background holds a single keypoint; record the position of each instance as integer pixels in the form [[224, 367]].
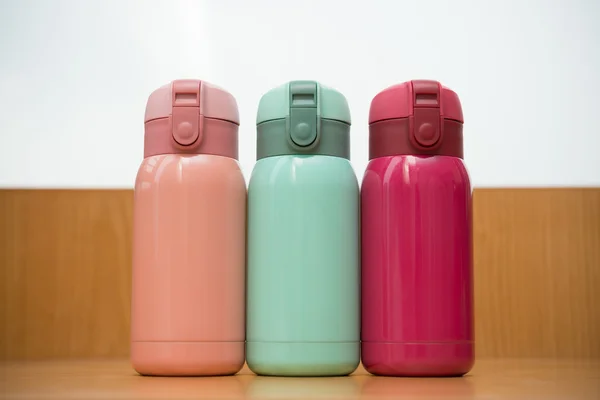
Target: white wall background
[[75, 75]]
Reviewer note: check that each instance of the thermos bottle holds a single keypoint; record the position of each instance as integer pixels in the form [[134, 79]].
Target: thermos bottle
[[417, 277], [303, 236], [189, 235]]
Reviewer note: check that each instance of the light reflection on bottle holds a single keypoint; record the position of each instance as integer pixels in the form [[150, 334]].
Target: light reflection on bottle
[[218, 387], [263, 387], [380, 387]]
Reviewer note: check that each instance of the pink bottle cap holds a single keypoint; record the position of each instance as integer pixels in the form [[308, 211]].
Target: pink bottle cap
[[416, 117], [191, 116]]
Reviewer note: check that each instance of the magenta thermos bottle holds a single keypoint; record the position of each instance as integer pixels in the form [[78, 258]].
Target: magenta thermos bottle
[[417, 268]]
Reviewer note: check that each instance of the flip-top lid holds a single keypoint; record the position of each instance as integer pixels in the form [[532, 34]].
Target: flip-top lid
[[191, 116], [278, 103], [418, 117], [210, 100], [400, 101], [303, 117]]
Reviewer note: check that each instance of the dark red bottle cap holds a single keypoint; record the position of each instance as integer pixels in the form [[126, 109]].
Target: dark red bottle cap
[[418, 117]]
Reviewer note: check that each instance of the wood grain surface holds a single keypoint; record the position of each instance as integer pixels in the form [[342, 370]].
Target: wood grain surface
[[65, 273], [114, 379], [537, 272]]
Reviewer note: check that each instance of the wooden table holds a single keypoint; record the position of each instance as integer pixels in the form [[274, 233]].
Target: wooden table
[[114, 379]]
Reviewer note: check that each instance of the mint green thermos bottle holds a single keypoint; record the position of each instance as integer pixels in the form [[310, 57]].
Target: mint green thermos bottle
[[303, 280]]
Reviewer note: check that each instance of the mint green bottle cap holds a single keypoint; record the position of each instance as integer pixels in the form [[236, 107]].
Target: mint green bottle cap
[[303, 117]]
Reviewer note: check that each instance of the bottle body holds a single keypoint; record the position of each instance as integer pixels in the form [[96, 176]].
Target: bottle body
[[417, 274], [303, 267], [188, 266]]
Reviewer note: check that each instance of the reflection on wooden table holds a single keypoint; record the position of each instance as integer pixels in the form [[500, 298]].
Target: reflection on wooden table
[[515, 379]]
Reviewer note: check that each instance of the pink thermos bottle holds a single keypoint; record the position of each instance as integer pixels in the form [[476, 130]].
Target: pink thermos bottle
[[189, 235], [417, 274]]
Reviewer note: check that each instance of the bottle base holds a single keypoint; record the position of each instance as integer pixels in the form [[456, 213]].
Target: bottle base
[[187, 358], [418, 359], [303, 359]]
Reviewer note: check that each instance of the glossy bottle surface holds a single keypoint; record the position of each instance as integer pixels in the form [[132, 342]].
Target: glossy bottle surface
[[303, 266], [417, 301], [188, 266]]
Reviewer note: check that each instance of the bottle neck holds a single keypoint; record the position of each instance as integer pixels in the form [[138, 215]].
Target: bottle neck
[[218, 138], [273, 139], [395, 137]]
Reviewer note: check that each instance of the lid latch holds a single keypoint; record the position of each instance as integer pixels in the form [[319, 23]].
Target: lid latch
[[303, 124], [426, 130], [187, 119]]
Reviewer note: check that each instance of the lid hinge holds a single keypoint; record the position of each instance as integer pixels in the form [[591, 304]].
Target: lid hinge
[[187, 119], [303, 123], [426, 130]]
